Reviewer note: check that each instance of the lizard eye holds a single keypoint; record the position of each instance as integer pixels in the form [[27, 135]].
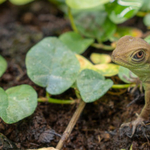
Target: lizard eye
[[139, 55]]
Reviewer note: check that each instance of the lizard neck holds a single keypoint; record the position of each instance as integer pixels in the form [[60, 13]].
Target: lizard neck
[[143, 73], [145, 78], [146, 86]]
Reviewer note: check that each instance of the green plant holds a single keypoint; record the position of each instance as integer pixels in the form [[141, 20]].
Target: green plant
[[56, 64], [53, 65], [17, 102]]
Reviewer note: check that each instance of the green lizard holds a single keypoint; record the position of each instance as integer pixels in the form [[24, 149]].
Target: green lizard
[[134, 54]]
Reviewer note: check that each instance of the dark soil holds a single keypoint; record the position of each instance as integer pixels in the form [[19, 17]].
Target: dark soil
[[98, 127]]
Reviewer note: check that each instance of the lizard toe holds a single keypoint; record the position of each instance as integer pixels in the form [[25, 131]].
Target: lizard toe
[[134, 124]]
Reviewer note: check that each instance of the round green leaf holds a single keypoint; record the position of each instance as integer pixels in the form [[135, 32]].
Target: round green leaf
[[108, 70], [20, 2], [52, 65], [92, 85], [75, 42], [20, 102], [121, 10], [84, 4], [3, 65], [100, 58], [3, 103], [95, 24], [146, 20], [125, 74]]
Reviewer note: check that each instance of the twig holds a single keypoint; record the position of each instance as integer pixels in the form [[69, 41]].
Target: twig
[[71, 125]]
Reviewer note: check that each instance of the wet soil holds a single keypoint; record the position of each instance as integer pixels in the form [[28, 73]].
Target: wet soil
[[98, 127]]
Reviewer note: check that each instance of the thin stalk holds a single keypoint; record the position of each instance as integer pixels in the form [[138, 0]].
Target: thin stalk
[[117, 93], [77, 93], [122, 86], [55, 101], [72, 20], [141, 13], [102, 46], [71, 125]]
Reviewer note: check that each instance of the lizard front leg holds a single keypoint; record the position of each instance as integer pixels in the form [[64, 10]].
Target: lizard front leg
[[146, 109], [144, 113]]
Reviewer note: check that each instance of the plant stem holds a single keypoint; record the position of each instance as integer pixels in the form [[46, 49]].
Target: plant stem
[[141, 13], [56, 101], [77, 93], [117, 93], [72, 20], [102, 46], [122, 86], [71, 125]]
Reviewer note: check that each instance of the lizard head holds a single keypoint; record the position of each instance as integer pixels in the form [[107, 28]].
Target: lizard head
[[132, 53]]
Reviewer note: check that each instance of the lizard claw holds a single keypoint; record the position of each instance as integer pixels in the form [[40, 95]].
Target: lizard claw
[[134, 124], [135, 80]]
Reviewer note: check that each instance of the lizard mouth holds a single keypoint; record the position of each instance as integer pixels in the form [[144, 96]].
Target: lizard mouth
[[120, 61]]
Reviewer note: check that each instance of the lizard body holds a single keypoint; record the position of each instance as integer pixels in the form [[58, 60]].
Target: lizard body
[[134, 54]]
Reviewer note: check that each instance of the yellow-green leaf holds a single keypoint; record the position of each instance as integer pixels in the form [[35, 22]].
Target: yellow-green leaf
[[122, 31], [100, 58], [108, 70], [84, 63]]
